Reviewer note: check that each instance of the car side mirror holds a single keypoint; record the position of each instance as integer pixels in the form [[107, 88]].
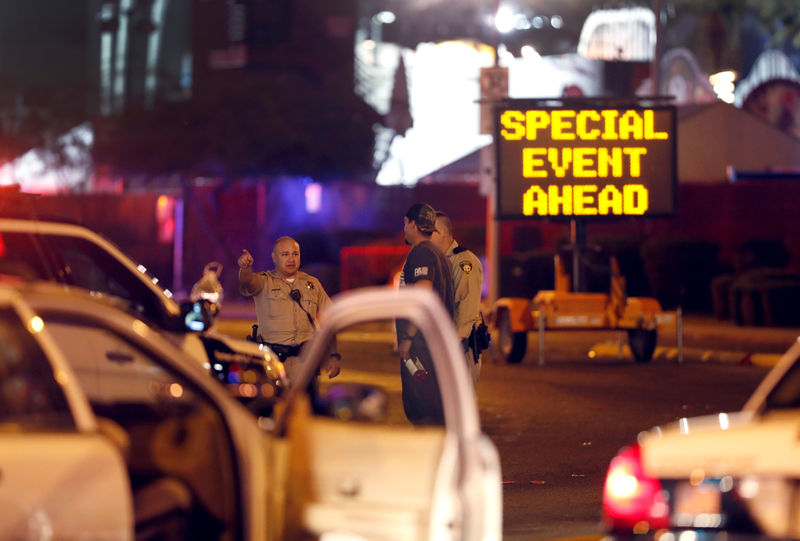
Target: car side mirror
[[195, 316], [353, 402]]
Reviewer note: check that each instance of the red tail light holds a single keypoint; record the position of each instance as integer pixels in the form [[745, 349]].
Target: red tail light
[[631, 500]]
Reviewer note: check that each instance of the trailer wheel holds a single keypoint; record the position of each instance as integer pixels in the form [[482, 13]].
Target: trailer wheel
[[642, 343], [512, 344]]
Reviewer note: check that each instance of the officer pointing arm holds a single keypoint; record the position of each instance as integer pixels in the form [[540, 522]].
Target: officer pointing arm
[[247, 278], [287, 302]]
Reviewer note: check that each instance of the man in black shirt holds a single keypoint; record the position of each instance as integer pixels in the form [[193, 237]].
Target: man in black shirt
[[425, 266]]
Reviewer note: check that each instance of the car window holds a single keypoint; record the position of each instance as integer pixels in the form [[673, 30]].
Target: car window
[[786, 394], [30, 397], [175, 430], [21, 255], [375, 385], [374, 439], [90, 267]]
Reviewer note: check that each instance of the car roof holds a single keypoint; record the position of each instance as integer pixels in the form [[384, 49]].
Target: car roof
[[75, 230]]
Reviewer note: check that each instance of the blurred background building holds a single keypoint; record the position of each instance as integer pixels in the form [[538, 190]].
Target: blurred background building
[[233, 122]]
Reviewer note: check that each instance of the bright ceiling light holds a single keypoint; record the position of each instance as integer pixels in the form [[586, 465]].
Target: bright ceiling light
[[385, 17], [728, 76], [521, 22], [723, 84], [529, 53], [504, 20]]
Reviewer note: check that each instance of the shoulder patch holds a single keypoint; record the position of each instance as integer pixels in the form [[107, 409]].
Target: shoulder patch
[[466, 266]]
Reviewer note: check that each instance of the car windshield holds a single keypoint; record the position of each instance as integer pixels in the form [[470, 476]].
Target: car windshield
[[78, 261], [375, 385], [786, 393]]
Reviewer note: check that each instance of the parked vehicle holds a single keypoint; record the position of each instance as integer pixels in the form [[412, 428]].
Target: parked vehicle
[[61, 478], [200, 466], [725, 476], [78, 257]]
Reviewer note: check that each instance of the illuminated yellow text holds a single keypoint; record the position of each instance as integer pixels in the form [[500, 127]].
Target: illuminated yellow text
[[541, 162], [580, 125], [586, 162], [586, 200]]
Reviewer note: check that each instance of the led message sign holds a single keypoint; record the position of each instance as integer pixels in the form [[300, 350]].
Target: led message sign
[[562, 162]]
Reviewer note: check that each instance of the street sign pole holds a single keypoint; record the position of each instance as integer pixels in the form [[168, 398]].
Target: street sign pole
[[494, 87], [577, 237]]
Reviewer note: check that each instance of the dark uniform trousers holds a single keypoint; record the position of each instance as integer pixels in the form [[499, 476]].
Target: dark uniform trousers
[[422, 399]]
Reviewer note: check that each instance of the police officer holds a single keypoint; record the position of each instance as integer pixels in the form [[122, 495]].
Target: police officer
[[467, 284], [288, 302], [426, 266]]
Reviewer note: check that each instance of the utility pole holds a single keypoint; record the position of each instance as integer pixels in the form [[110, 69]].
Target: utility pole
[[655, 63], [487, 165]]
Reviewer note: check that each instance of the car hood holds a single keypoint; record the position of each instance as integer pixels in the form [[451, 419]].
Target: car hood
[[727, 444], [236, 344]]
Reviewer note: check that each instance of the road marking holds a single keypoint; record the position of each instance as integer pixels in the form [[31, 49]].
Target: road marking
[[373, 337], [611, 351], [389, 382]]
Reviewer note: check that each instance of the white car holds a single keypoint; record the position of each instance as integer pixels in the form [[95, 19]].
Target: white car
[[59, 476], [78, 257], [726, 476], [197, 464]]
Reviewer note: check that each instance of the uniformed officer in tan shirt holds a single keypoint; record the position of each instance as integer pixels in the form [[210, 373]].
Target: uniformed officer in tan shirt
[[284, 324], [467, 283]]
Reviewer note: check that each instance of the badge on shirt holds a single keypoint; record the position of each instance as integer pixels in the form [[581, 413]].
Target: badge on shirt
[[420, 271], [309, 285], [466, 266]]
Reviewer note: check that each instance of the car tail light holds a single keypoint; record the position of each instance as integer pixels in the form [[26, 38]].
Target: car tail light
[[633, 501]]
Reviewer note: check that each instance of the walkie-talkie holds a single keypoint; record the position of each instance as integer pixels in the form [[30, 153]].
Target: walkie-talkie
[[295, 294]]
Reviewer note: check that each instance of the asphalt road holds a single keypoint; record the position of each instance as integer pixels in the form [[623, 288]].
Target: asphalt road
[[558, 425]]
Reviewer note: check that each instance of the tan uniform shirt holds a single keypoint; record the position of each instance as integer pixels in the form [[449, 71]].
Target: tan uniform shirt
[[467, 282], [280, 319]]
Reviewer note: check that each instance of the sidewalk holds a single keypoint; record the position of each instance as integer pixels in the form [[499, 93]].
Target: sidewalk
[[706, 339]]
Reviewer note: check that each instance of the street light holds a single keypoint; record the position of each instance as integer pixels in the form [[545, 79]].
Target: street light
[[380, 18]]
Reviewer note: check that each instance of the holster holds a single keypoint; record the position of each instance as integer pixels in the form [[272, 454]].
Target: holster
[[284, 352]]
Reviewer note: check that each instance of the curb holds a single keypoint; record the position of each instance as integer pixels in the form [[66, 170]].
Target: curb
[[612, 351]]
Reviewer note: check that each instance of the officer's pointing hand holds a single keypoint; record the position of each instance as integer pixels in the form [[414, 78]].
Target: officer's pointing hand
[[245, 260]]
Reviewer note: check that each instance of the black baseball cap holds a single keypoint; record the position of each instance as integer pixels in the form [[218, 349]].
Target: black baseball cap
[[424, 216]]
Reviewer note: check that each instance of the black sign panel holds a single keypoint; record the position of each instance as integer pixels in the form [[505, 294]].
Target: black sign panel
[[585, 162]]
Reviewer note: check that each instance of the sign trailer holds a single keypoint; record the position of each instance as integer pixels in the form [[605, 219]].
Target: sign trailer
[[584, 159]]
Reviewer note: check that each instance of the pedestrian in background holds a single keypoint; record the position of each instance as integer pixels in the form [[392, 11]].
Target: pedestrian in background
[[288, 302], [467, 284], [426, 266]]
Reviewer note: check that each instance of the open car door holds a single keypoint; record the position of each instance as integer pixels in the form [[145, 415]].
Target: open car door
[[348, 459], [60, 478]]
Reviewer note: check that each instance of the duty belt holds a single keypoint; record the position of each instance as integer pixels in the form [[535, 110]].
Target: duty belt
[[283, 352]]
